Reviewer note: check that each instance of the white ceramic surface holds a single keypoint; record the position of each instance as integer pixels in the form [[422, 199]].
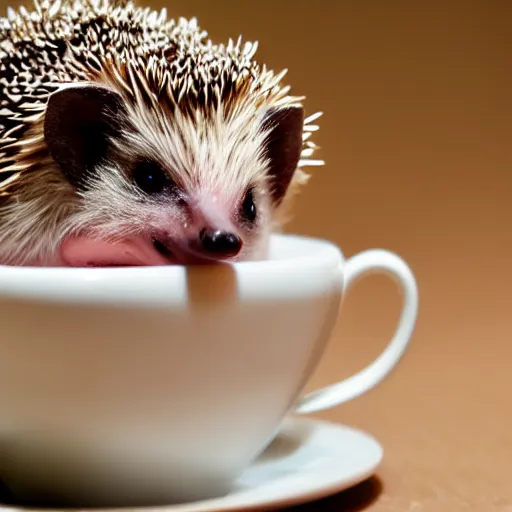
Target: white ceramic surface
[[308, 460], [143, 385]]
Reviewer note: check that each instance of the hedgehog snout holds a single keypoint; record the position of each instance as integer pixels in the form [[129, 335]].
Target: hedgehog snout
[[218, 243], [207, 245]]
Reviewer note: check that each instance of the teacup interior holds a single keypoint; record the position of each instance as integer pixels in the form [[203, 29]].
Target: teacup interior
[[291, 247]]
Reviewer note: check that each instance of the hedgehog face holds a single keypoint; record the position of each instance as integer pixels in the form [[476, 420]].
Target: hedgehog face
[[161, 187]]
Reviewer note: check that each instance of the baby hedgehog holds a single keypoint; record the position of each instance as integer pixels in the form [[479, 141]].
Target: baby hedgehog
[[130, 139]]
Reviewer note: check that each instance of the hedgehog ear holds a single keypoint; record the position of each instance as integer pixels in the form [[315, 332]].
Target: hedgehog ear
[[79, 120], [283, 146]]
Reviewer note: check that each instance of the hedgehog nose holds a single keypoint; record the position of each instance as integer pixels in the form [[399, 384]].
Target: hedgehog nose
[[220, 243]]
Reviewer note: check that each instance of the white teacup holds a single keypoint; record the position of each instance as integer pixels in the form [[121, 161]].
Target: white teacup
[[130, 386]]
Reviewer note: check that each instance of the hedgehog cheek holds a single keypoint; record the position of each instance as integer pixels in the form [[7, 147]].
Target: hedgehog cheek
[[283, 147], [79, 120]]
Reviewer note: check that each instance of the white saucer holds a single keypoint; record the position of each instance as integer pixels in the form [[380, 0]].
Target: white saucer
[[308, 460]]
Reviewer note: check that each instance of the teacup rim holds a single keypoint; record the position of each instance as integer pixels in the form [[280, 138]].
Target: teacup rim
[[321, 248], [156, 285]]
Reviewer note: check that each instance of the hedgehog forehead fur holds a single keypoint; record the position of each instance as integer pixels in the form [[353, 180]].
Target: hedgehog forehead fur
[[149, 59], [192, 99]]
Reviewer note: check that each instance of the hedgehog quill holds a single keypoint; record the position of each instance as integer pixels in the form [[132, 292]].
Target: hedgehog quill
[[127, 138]]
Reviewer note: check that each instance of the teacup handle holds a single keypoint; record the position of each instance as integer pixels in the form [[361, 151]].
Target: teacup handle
[[371, 261]]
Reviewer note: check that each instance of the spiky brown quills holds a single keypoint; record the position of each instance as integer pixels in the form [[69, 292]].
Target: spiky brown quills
[[147, 58]]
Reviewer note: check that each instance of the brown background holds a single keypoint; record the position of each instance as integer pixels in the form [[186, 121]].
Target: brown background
[[417, 137]]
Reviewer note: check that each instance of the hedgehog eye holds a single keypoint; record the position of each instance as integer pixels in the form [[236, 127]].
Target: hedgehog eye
[[248, 208], [150, 177]]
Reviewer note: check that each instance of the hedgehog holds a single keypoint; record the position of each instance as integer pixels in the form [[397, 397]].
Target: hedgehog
[[131, 139]]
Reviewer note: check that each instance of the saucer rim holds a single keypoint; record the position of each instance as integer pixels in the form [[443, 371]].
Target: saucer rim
[[301, 498]]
